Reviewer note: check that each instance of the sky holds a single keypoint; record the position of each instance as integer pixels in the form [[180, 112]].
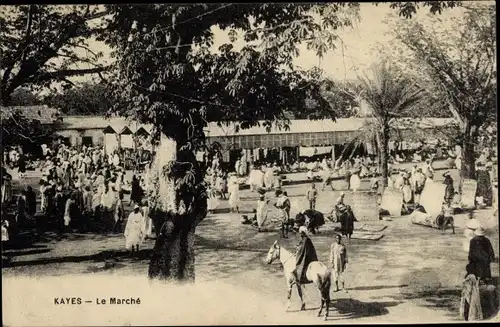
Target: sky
[[358, 53]]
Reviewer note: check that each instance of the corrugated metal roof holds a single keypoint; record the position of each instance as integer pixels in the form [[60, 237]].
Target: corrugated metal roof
[[44, 114], [296, 126], [101, 122], [318, 126]]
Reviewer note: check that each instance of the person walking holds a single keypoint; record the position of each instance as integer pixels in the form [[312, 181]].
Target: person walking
[[21, 209], [338, 261], [70, 210], [261, 213], [133, 230], [481, 255], [87, 212], [234, 193], [312, 194], [450, 190], [119, 214], [283, 212], [30, 201], [136, 192], [147, 222]]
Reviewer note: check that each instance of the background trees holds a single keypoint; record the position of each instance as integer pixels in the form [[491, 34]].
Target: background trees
[[176, 82], [83, 99], [457, 62], [388, 95], [27, 133], [167, 74], [40, 45]]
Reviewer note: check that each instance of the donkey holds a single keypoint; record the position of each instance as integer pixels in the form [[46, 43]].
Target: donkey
[[317, 272]]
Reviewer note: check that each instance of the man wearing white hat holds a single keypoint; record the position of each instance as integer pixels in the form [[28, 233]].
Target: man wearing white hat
[[481, 255], [133, 230]]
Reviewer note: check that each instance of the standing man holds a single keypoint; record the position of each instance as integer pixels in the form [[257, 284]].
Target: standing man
[[338, 261], [481, 255], [133, 231], [450, 190], [312, 194]]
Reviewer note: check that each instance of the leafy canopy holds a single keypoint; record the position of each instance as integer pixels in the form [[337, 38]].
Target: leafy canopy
[[456, 61], [39, 44], [82, 100], [177, 82]]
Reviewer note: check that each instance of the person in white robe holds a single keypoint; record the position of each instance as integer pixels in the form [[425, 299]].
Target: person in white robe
[[237, 167], [147, 222], [355, 181], [262, 212], [243, 166], [324, 165], [399, 181], [256, 179], [5, 231], [269, 177], [234, 193], [133, 230], [407, 191], [116, 160], [212, 201]]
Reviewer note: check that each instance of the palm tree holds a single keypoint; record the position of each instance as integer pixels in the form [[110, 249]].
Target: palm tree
[[385, 97]]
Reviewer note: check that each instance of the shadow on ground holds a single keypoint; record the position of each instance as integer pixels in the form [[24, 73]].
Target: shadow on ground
[[351, 309], [103, 256]]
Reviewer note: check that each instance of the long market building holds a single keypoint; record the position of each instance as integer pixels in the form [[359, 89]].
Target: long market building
[[302, 138], [307, 138]]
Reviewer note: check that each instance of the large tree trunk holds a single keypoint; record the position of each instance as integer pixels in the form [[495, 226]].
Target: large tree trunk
[[383, 143], [175, 216], [468, 153]]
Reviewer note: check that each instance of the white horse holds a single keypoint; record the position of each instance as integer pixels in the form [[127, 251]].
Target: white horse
[[316, 272]]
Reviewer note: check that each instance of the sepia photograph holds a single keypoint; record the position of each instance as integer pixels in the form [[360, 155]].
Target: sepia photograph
[[249, 163]]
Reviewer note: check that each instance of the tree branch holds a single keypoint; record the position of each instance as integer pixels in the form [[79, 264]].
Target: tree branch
[[21, 51], [69, 72]]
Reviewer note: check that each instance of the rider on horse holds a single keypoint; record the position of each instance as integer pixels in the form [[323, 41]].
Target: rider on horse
[[306, 253], [345, 216]]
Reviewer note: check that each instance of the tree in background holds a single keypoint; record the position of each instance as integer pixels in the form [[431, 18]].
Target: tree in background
[[388, 95], [177, 83], [457, 62], [39, 44], [83, 99], [171, 78], [27, 133], [25, 97]]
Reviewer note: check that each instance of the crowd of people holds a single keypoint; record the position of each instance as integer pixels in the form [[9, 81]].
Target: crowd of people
[[81, 191]]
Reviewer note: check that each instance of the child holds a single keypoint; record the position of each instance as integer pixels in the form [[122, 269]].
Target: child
[[311, 195], [261, 213], [445, 218]]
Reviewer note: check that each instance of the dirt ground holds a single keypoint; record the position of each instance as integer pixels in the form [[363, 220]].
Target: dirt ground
[[412, 274]]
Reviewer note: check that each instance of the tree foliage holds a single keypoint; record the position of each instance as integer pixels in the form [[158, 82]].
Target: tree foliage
[[25, 97], [27, 133], [175, 81], [388, 94], [457, 62], [84, 99], [407, 9], [39, 42]]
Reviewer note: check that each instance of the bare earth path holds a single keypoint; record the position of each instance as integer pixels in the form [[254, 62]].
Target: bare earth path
[[413, 274]]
